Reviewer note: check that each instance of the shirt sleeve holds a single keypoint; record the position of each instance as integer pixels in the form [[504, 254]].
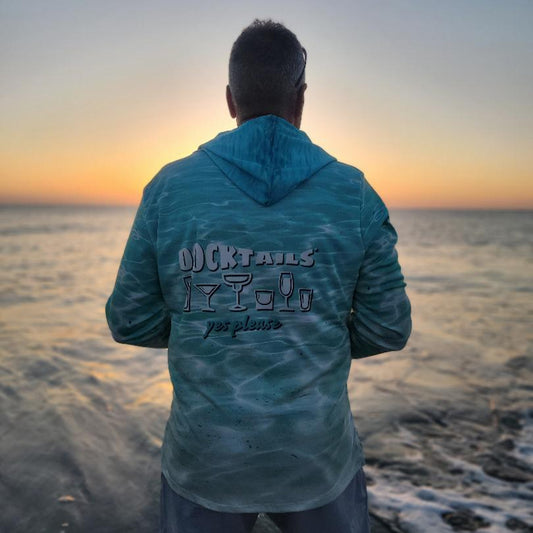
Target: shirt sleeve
[[136, 311], [380, 320]]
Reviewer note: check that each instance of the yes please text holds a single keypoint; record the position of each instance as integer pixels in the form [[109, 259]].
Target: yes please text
[[234, 326]]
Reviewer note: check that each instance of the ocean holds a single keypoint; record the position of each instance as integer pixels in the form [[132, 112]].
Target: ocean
[[447, 424]]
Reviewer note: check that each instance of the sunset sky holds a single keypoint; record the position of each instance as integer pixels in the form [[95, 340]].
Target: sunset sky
[[432, 99]]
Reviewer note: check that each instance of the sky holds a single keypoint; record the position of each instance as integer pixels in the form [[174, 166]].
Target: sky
[[431, 99]]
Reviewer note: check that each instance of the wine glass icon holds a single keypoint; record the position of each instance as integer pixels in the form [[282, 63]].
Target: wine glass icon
[[207, 289], [286, 288], [237, 282]]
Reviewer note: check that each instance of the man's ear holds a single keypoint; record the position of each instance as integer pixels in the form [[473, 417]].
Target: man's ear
[[299, 105], [230, 102]]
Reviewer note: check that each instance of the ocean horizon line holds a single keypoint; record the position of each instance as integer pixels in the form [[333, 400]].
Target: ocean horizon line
[[90, 205]]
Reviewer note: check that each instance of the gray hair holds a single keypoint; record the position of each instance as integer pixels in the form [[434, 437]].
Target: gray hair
[[266, 69]]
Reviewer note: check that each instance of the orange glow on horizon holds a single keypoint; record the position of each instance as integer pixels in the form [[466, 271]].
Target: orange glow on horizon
[[430, 121], [114, 170]]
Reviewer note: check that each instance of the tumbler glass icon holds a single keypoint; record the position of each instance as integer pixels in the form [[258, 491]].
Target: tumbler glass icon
[[264, 300], [306, 299]]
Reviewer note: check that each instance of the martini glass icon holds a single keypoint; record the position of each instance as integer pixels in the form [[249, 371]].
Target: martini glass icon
[[207, 289], [237, 282]]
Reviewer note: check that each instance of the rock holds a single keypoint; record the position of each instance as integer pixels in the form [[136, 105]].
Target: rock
[[411, 469], [426, 495], [506, 444], [464, 520], [379, 526], [265, 525], [507, 467], [522, 362], [456, 470], [369, 480], [515, 524], [511, 420]]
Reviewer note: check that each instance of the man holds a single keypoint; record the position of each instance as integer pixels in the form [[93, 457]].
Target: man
[[265, 266]]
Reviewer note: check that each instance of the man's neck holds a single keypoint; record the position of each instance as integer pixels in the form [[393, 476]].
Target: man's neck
[[246, 118]]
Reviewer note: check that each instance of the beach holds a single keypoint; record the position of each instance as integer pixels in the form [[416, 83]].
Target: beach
[[446, 424]]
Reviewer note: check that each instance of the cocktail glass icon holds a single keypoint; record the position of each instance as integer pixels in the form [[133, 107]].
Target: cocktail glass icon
[[286, 288], [207, 289], [237, 282], [306, 298], [264, 300], [188, 288]]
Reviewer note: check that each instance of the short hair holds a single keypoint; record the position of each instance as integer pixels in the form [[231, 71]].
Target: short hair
[[266, 69]]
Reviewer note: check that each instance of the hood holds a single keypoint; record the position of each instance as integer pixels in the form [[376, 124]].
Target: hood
[[266, 157]]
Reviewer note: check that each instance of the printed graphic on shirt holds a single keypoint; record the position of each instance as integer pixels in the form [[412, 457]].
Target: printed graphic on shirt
[[282, 296], [234, 326], [217, 256]]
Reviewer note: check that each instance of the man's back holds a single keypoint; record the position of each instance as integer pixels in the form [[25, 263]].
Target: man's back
[[247, 258]]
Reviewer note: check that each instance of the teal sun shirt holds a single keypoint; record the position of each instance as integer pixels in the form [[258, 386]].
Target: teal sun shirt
[[265, 266]]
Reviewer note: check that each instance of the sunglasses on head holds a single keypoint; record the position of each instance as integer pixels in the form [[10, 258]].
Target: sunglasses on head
[[300, 77]]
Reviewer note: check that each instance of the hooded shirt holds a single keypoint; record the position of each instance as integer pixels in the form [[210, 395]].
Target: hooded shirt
[[265, 266]]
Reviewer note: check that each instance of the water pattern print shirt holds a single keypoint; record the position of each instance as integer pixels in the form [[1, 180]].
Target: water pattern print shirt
[[265, 266]]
